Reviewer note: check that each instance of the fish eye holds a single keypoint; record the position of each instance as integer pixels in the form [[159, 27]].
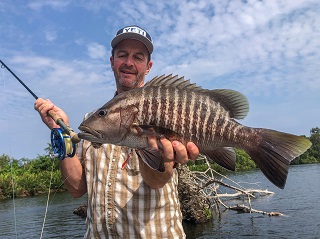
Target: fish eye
[[102, 113]]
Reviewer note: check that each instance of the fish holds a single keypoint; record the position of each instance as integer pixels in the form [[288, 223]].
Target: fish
[[172, 107]]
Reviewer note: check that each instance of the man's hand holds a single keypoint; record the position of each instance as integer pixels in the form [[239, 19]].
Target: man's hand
[[172, 152], [175, 151], [43, 106]]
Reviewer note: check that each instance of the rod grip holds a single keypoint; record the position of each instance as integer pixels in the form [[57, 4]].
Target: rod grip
[[54, 116]]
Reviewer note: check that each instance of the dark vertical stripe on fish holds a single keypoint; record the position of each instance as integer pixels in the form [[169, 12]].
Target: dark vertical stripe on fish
[[178, 121], [206, 111], [202, 113], [213, 120], [163, 117], [188, 114], [154, 106], [196, 116], [171, 110]]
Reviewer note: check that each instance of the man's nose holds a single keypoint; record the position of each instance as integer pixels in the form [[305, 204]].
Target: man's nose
[[129, 61]]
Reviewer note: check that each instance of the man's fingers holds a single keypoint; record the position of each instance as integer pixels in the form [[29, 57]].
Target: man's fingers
[[167, 150], [174, 151], [181, 154], [193, 151]]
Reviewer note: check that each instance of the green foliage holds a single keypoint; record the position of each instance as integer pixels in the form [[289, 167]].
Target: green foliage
[[244, 162], [312, 155], [30, 177]]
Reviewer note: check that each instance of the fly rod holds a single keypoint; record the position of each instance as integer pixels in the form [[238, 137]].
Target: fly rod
[[61, 144]]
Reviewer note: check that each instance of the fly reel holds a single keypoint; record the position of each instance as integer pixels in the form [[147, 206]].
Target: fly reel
[[61, 144]]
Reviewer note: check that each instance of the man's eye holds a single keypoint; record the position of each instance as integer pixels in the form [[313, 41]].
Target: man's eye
[[138, 58]]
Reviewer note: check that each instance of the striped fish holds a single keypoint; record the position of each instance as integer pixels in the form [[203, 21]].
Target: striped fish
[[171, 107]]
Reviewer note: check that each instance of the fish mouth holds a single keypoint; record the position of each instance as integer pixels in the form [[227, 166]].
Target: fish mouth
[[88, 133]]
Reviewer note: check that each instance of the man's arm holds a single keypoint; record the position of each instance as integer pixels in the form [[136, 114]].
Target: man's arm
[[71, 169], [73, 176], [172, 153]]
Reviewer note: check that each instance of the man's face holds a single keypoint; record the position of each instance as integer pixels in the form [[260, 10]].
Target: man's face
[[130, 64]]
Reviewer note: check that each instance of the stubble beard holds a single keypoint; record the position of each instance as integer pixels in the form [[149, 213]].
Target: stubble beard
[[125, 84]]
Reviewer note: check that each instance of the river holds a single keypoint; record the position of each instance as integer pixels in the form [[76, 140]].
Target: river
[[299, 201]]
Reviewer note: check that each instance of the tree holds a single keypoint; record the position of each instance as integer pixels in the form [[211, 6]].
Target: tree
[[4, 161], [315, 140]]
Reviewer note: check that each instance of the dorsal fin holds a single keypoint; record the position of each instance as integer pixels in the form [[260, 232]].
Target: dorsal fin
[[173, 81], [233, 101]]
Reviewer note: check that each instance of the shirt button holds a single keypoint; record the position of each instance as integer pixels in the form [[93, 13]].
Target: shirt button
[[109, 184], [113, 159], [109, 212]]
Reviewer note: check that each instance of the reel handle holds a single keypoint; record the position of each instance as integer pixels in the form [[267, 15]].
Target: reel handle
[[59, 121]]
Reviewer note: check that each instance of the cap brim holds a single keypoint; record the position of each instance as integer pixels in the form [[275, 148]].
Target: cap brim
[[135, 36]]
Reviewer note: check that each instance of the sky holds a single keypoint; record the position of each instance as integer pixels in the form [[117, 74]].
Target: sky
[[269, 50]]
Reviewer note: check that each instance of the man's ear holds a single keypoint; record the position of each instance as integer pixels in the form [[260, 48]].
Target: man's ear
[[149, 67], [111, 62]]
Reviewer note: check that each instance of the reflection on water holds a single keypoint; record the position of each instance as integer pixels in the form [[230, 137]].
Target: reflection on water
[[299, 201]]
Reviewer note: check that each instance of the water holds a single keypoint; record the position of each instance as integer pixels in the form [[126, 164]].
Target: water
[[299, 201], [30, 211]]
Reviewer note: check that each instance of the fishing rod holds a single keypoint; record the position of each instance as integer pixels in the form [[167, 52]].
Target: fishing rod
[[64, 139]]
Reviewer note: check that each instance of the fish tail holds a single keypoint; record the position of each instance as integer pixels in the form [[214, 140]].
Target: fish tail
[[274, 153]]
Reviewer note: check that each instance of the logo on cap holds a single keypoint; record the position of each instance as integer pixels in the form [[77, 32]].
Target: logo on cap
[[134, 30]]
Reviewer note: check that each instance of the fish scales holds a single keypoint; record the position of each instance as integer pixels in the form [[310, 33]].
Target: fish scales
[[172, 105], [194, 130], [205, 121], [178, 122], [174, 108], [186, 100], [164, 105], [154, 105]]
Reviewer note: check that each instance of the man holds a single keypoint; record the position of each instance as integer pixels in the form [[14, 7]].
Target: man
[[126, 198]]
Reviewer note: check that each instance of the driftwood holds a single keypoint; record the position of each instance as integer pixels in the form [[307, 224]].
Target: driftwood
[[198, 193], [195, 205]]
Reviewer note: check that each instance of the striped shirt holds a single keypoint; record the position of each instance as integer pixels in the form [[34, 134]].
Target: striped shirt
[[120, 203]]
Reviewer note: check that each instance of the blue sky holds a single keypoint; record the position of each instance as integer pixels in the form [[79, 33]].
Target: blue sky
[[269, 50]]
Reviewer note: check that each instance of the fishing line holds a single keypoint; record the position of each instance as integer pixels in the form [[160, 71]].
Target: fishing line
[[48, 199], [10, 153]]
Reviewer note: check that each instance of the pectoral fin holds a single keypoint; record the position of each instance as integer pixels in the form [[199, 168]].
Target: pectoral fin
[[152, 158]]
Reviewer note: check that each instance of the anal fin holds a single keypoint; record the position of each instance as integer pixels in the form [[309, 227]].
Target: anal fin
[[225, 157]]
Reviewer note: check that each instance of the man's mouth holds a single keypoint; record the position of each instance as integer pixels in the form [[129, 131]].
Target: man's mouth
[[124, 71]]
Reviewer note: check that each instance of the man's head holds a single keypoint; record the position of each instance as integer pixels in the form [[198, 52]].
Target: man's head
[[131, 57]]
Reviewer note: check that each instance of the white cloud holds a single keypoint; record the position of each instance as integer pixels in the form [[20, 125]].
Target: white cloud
[[56, 4], [50, 35], [97, 51]]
